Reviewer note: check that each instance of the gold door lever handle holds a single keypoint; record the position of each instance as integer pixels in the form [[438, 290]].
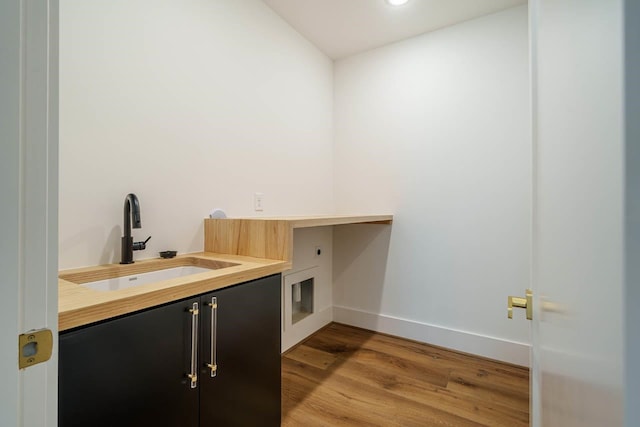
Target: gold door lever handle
[[519, 302]]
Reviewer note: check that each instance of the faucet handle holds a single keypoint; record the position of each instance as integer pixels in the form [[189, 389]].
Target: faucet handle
[[139, 246]]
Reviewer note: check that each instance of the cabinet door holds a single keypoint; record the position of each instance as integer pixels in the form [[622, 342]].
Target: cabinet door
[[245, 390], [131, 371]]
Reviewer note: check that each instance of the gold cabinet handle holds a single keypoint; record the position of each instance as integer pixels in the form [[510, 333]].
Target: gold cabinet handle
[[214, 336], [519, 302], [193, 376]]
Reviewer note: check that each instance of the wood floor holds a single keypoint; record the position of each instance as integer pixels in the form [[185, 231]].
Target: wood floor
[[345, 376]]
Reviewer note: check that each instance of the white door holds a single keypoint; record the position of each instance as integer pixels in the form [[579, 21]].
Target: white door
[[579, 229], [28, 205]]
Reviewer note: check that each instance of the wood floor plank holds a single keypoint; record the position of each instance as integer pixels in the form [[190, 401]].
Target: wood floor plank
[[343, 401], [481, 411], [314, 357], [402, 367], [360, 338], [346, 376], [488, 391]]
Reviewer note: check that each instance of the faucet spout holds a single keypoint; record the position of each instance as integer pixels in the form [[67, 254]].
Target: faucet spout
[[131, 215], [131, 212]]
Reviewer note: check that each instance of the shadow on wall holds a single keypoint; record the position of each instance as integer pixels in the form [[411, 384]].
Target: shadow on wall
[[360, 254], [79, 242], [198, 238], [111, 251]]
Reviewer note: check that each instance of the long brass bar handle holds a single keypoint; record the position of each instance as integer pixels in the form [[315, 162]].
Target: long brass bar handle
[[214, 337], [193, 376]]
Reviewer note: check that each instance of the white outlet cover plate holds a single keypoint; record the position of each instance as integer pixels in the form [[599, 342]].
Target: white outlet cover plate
[[258, 202]]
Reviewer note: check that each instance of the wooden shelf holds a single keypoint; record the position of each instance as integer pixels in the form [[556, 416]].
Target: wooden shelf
[[271, 238], [329, 220]]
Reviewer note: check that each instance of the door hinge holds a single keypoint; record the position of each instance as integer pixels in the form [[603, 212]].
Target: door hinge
[[34, 347]]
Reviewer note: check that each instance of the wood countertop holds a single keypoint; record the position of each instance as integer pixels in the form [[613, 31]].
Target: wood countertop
[[271, 238], [327, 220], [258, 247], [79, 305]]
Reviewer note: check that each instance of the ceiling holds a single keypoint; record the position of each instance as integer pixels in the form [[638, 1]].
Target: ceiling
[[342, 28]]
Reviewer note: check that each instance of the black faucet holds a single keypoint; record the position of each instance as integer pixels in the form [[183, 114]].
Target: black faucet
[[131, 212]]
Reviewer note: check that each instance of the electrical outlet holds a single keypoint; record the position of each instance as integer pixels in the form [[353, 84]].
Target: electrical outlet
[[317, 252], [258, 202]]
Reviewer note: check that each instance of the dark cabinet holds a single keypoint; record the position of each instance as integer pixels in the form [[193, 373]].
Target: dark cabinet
[[128, 371], [135, 370], [246, 356]]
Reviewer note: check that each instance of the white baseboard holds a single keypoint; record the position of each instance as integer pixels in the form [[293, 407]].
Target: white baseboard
[[481, 345]]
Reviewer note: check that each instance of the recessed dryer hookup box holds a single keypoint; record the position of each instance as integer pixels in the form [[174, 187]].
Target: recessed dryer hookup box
[[301, 300], [298, 297]]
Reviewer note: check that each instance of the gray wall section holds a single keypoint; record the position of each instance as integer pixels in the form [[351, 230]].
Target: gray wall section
[[632, 211]]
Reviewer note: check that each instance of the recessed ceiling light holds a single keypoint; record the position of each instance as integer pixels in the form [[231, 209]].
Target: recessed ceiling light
[[397, 2]]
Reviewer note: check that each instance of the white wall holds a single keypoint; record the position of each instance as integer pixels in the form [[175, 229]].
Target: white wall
[[436, 130], [191, 105]]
